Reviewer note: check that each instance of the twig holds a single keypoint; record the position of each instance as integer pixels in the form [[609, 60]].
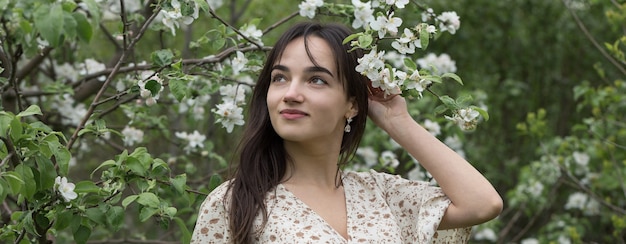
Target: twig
[[234, 29], [117, 66], [280, 22], [593, 40]]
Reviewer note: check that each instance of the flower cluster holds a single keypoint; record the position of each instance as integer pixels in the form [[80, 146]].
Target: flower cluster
[[177, 13], [229, 112], [91, 66], [466, 118], [150, 87], [194, 140], [132, 136], [308, 7]]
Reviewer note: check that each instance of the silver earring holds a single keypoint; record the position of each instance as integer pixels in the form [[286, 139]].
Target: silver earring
[[348, 127]]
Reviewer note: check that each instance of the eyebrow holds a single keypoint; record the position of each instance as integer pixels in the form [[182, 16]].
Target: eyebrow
[[312, 69]]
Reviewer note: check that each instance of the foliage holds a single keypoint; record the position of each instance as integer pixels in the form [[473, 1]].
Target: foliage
[[140, 105]]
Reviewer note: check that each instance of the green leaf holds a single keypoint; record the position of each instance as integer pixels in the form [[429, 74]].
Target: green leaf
[[135, 166], [94, 10], [148, 199], [31, 110], [214, 182], [453, 76], [69, 25], [115, 217], [5, 123], [351, 37], [482, 112], [63, 220], [84, 29], [47, 172], [365, 41], [49, 23], [96, 215], [424, 36], [14, 180], [104, 164], [186, 234], [170, 211], [146, 213], [162, 57], [128, 200], [16, 129], [204, 5], [178, 87], [153, 86], [179, 182], [408, 62], [63, 157], [448, 101], [81, 235], [86, 187], [26, 174]]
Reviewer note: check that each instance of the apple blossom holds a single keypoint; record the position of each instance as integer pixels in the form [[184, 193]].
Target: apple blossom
[[65, 188]]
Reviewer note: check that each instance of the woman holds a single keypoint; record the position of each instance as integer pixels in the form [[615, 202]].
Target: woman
[[307, 116]]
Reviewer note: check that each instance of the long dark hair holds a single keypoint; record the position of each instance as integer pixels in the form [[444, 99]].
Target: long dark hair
[[262, 157]]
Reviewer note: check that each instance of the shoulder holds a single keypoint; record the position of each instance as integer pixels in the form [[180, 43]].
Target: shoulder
[[212, 223]]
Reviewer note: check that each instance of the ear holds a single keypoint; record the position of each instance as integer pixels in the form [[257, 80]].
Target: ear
[[353, 108]]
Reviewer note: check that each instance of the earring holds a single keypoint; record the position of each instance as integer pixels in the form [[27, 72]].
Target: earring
[[348, 127]]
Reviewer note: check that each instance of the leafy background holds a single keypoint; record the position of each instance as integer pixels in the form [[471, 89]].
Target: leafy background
[[552, 78]]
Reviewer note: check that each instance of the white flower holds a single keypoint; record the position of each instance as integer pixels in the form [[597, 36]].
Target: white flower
[[194, 140], [387, 82], [92, 66], [251, 32], [229, 114], [384, 24], [564, 240], [132, 136], [239, 63], [369, 155], [66, 71], [215, 4], [465, 118], [529, 241], [581, 158], [416, 82], [428, 15], [308, 7], [371, 64], [174, 16], [65, 188], [395, 59], [389, 158], [71, 114], [147, 76], [363, 14], [398, 3], [432, 127], [535, 189], [449, 21], [582, 201], [486, 234], [236, 93], [438, 64]]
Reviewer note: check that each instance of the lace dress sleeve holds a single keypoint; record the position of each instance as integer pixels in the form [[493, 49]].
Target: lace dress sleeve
[[420, 208], [212, 223]]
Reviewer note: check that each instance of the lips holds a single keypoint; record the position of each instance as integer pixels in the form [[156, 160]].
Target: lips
[[292, 114]]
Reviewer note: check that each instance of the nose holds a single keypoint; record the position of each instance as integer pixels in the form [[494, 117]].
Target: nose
[[293, 92]]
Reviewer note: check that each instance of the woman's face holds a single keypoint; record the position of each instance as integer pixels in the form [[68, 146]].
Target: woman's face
[[307, 103]]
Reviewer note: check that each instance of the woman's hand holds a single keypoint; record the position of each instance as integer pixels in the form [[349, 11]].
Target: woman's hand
[[388, 114]]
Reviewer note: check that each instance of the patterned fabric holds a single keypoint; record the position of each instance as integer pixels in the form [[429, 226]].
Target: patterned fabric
[[382, 208]]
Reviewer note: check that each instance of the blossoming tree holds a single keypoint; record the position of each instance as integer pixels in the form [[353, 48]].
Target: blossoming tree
[[148, 96]]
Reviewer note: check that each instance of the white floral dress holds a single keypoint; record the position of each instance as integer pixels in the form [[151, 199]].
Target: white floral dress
[[382, 208]]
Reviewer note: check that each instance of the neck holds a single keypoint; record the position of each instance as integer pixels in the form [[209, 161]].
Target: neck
[[313, 166]]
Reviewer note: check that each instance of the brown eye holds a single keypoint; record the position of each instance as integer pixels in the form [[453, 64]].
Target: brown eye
[[278, 78], [318, 81]]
